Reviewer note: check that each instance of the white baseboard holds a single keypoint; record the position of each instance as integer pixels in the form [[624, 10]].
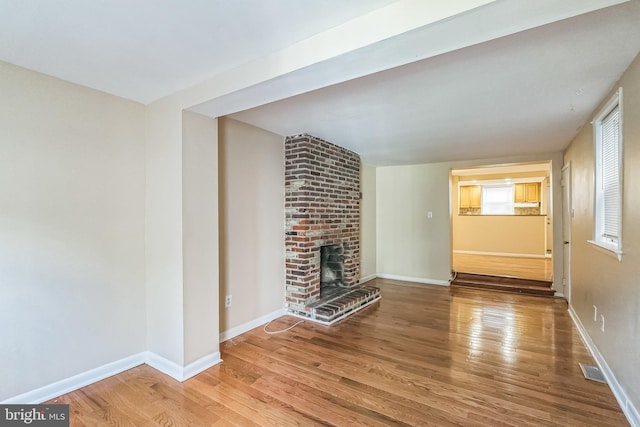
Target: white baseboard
[[202, 364], [505, 254], [368, 277], [181, 373], [413, 279], [75, 382], [234, 332], [630, 411], [91, 376]]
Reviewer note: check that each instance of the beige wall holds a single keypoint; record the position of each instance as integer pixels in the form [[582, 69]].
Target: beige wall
[[368, 222], [72, 295], [200, 241], [505, 234], [596, 277], [408, 243], [251, 169], [163, 231], [411, 245]]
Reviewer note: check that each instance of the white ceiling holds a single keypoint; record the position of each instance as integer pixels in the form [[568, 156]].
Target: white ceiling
[[474, 79], [526, 93], [146, 49]]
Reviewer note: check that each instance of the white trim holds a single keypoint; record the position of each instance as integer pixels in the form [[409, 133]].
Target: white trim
[[163, 365], [502, 182], [505, 254], [91, 376], [202, 364], [413, 279], [615, 247], [621, 396], [75, 382], [367, 278], [633, 416], [567, 210], [181, 373], [241, 329], [606, 249]]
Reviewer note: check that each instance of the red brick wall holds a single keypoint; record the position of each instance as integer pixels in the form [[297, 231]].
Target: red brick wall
[[322, 207]]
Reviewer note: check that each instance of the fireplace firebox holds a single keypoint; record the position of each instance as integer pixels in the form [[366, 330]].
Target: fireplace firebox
[[331, 270]]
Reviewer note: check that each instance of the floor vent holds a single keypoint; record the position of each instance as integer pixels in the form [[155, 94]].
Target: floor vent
[[592, 373]]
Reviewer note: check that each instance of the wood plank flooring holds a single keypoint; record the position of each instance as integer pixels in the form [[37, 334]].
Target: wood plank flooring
[[423, 356], [524, 268]]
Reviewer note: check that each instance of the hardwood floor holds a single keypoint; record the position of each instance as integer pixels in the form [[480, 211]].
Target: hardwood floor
[[524, 268], [424, 355]]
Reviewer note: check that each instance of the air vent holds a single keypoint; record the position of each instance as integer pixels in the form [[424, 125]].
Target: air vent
[[593, 373]]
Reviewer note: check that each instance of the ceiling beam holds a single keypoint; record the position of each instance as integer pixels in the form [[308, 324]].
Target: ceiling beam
[[398, 34]]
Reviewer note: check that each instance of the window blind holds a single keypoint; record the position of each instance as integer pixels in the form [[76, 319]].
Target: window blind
[[611, 174], [497, 200]]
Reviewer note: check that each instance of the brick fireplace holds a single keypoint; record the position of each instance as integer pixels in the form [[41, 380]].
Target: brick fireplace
[[322, 208]]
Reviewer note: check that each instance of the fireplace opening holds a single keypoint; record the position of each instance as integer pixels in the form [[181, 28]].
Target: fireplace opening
[[331, 270]]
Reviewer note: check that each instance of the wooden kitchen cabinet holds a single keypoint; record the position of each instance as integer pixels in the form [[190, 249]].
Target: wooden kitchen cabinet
[[528, 192], [533, 192], [470, 196]]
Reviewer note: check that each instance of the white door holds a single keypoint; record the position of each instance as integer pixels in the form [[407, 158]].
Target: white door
[[566, 230]]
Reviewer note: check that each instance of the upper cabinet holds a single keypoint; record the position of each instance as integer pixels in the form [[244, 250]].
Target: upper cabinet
[[470, 196], [527, 193]]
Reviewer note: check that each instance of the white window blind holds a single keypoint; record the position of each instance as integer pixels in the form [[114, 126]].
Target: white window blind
[[611, 174], [607, 132], [497, 200]]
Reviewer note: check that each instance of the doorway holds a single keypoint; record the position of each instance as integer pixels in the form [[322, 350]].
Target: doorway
[[501, 217]]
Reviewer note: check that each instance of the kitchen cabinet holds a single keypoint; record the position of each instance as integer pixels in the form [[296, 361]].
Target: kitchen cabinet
[[470, 196], [528, 192]]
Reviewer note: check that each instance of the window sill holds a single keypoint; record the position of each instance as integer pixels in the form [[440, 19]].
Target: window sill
[[607, 249]]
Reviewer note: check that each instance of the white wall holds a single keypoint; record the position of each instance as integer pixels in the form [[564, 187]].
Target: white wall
[[368, 222], [200, 240], [72, 294], [251, 223], [409, 244]]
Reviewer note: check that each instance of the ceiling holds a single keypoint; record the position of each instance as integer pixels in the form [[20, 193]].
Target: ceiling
[[146, 49], [482, 79], [526, 93]]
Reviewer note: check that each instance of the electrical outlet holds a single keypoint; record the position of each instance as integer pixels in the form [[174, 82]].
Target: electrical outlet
[[595, 313], [227, 301], [602, 324]]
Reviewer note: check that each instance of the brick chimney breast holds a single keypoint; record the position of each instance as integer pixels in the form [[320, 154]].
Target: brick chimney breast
[[322, 207]]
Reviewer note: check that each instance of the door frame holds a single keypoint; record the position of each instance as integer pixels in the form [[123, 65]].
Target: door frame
[[567, 214]]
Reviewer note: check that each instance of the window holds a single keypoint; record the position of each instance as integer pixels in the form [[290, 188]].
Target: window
[[607, 131], [497, 200]]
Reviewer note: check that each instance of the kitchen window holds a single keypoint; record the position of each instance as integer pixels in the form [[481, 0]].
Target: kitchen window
[[497, 200]]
